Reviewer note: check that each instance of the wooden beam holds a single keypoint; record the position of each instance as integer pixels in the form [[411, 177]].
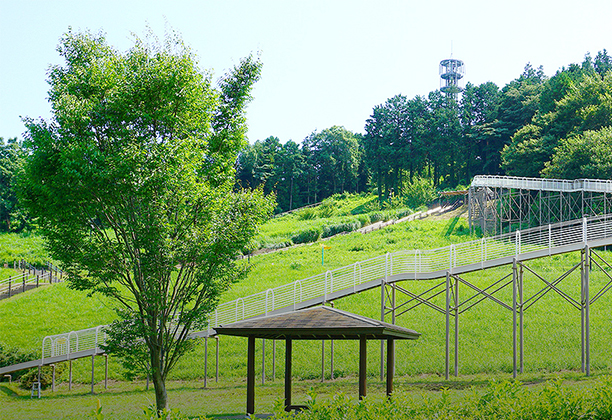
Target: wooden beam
[[288, 349], [362, 366], [390, 365], [251, 376]]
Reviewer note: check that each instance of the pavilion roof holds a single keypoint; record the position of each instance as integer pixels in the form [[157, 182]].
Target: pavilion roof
[[323, 322]]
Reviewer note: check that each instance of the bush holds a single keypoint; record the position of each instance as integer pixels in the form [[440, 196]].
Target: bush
[[501, 400], [306, 214], [420, 192], [306, 236], [13, 356], [327, 208], [331, 230], [376, 216], [46, 376], [277, 244], [363, 219]]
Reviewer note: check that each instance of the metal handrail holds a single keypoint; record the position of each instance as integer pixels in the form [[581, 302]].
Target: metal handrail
[[401, 264]]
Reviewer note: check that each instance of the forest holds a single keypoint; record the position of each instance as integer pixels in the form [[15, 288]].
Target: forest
[[535, 126]]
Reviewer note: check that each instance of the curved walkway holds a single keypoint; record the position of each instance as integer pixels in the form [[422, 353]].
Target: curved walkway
[[412, 265]]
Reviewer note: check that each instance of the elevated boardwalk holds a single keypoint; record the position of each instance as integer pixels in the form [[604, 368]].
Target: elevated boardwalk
[[414, 265]]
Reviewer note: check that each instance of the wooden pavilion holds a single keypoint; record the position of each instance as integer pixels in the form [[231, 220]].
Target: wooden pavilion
[[319, 323]]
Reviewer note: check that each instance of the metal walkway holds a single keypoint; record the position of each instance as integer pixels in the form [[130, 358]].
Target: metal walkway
[[387, 269], [504, 203]]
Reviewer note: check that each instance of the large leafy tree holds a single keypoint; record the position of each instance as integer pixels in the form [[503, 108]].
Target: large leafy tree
[[132, 181], [588, 155], [12, 216]]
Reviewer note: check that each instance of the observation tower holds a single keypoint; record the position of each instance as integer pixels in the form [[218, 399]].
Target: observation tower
[[451, 73]]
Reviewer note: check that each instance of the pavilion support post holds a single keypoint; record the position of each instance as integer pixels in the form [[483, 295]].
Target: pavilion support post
[[390, 365], [251, 376], [273, 360], [322, 360], [263, 361], [331, 359], [217, 360], [447, 365], [288, 350], [205, 362], [363, 351]]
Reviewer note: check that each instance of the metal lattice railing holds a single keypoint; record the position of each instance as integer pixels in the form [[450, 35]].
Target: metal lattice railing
[[73, 342], [565, 185], [408, 264]]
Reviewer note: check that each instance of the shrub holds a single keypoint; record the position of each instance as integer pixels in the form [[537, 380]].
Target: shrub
[[277, 244], [46, 376], [327, 208], [306, 214], [307, 235], [403, 212], [376, 216], [13, 356], [363, 219], [419, 193], [330, 230]]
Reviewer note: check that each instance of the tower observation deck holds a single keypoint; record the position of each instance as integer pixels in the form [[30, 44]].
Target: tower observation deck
[[451, 73]]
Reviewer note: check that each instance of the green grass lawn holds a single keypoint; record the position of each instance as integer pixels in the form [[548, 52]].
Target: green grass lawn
[[552, 326], [127, 400]]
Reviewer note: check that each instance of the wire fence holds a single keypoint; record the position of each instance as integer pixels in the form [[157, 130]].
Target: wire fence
[[346, 280]]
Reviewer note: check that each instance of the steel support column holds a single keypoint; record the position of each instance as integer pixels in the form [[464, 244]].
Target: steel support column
[[447, 369], [514, 298], [456, 292]]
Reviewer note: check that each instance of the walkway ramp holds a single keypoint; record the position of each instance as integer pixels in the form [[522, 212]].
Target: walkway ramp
[[414, 265]]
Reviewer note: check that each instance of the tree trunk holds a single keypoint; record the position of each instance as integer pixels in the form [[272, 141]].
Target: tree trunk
[[159, 383], [291, 195]]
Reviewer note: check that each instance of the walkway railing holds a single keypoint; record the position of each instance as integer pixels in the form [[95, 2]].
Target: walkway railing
[[25, 281], [565, 185], [402, 265]]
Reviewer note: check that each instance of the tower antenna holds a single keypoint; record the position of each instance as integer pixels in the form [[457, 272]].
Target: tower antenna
[[451, 73]]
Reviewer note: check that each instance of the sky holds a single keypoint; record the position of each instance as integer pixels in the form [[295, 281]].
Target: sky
[[325, 63]]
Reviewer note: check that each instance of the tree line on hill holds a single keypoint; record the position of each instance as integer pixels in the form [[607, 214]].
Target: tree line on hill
[[534, 126], [557, 127]]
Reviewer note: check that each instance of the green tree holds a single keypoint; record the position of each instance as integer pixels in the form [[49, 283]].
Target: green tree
[[12, 216], [588, 155], [333, 159], [132, 180], [585, 106]]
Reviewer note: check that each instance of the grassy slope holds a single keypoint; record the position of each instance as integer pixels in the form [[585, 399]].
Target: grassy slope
[[552, 327]]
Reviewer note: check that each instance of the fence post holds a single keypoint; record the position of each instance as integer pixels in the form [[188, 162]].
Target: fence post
[[9, 288]]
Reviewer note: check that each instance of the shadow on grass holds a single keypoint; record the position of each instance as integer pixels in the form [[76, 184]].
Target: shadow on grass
[[8, 391], [451, 226]]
